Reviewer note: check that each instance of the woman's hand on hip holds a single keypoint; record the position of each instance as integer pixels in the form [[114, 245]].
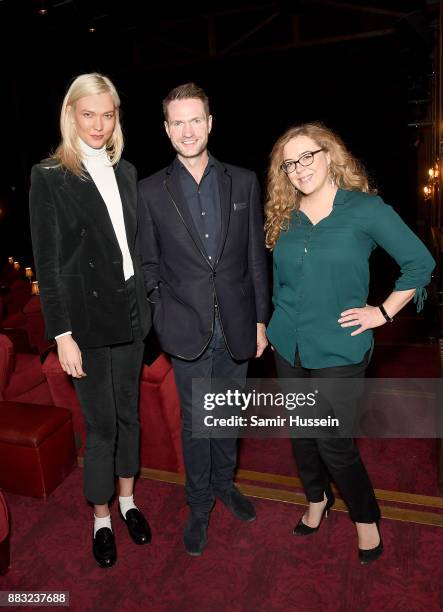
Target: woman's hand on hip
[[70, 356], [367, 318]]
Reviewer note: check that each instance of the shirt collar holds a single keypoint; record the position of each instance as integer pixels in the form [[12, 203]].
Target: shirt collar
[[341, 196], [211, 164]]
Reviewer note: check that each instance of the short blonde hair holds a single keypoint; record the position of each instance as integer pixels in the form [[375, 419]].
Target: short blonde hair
[[282, 198], [68, 153]]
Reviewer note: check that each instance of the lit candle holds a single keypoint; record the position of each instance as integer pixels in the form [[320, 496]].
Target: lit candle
[[10, 260], [29, 273], [16, 265], [34, 288]]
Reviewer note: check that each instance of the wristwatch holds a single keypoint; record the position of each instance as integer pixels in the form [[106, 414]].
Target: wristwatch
[[385, 314]]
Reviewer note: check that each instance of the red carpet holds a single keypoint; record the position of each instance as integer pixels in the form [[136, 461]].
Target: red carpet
[[258, 566]]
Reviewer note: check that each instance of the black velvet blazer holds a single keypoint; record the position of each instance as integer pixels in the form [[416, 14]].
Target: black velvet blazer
[[181, 281], [78, 260]]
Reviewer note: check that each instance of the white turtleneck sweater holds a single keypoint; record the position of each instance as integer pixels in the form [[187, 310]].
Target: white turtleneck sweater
[[102, 173]]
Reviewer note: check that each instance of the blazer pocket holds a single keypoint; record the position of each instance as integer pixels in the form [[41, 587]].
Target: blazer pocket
[[74, 294], [240, 206]]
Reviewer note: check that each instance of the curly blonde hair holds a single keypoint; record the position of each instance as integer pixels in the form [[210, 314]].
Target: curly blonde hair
[[282, 198]]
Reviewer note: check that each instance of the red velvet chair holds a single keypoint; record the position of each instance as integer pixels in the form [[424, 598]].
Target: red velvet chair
[[35, 325], [159, 412], [4, 536], [14, 300], [160, 420], [37, 449], [21, 376]]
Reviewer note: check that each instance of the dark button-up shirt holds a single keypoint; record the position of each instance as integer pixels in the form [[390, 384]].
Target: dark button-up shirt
[[321, 270], [203, 200]]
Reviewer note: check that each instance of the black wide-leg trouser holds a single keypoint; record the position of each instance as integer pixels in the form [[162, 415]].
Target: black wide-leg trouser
[[108, 396], [318, 459]]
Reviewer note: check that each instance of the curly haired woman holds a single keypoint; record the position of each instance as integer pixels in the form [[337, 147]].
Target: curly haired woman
[[322, 224]]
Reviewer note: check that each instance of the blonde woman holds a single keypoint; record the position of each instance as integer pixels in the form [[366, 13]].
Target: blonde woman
[[83, 224], [322, 223]]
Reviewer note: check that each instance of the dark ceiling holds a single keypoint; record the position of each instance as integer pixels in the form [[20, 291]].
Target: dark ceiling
[[150, 35]]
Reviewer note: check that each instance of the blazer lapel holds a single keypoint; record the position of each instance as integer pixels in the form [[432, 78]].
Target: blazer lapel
[[224, 181], [91, 204], [128, 196], [173, 187]]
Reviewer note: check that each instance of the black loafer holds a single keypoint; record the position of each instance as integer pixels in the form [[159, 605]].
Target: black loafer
[[195, 536], [238, 504], [137, 525], [103, 547]]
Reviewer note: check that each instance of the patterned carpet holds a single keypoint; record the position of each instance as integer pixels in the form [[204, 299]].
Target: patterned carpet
[[257, 566]]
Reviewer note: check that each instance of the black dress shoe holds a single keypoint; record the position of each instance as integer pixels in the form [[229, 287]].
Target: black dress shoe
[[301, 529], [195, 535], [366, 556], [137, 525], [103, 547], [238, 504]]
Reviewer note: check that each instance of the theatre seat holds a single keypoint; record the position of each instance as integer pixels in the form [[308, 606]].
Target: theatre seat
[[4, 536], [14, 300], [159, 410], [160, 420], [35, 325], [21, 376], [37, 449]]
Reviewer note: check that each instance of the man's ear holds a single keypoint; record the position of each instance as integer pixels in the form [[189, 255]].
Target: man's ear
[[209, 124], [165, 123]]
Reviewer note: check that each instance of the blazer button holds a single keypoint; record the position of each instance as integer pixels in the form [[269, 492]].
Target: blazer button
[[95, 293], [82, 231], [91, 264]]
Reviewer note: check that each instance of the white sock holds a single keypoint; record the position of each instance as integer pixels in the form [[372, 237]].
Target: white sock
[[126, 503], [100, 522]]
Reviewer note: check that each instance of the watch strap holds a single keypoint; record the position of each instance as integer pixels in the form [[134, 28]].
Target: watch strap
[[385, 314]]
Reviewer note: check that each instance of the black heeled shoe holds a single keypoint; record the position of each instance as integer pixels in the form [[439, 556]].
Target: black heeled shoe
[[303, 530], [371, 554]]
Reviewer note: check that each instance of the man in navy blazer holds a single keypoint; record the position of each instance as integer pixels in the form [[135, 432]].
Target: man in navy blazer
[[203, 257]]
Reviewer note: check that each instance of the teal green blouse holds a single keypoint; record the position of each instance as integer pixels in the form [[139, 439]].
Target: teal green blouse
[[321, 270]]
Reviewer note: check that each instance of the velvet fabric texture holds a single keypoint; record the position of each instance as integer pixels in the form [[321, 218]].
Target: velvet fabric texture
[[21, 376], [78, 259]]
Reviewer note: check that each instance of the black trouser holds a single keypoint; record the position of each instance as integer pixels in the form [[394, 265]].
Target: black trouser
[[319, 458], [209, 463], [108, 396]]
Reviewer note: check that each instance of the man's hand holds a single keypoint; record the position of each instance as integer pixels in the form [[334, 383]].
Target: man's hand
[[262, 341], [70, 356]]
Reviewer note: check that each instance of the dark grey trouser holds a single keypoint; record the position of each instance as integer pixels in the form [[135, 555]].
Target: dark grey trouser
[[209, 463], [108, 396], [319, 458]]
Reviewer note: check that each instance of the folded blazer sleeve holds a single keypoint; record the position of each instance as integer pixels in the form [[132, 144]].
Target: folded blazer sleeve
[[148, 248], [45, 242], [257, 255]]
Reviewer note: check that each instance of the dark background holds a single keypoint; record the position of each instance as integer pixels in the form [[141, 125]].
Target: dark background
[[366, 87]]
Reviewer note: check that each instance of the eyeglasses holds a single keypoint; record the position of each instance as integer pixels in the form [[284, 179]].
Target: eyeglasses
[[289, 165]]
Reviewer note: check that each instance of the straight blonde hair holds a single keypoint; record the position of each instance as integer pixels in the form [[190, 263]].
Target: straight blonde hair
[[68, 153]]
